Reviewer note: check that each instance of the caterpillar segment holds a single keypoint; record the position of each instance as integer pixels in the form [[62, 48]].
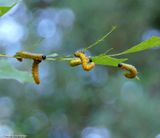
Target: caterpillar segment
[[35, 71], [22, 54], [75, 62]]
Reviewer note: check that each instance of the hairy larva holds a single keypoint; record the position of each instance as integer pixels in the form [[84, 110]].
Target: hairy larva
[[87, 64], [35, 71], [132, 70], [75, 62], [22, 54]]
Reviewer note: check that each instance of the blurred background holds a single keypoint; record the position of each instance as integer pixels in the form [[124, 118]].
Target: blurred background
[[72, 103]]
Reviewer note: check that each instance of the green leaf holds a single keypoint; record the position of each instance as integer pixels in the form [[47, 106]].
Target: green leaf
[[9, 72], [5, 9], [147, 44], [106, 60]]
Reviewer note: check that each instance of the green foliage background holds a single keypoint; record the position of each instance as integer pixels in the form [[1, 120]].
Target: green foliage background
[[70, 100]]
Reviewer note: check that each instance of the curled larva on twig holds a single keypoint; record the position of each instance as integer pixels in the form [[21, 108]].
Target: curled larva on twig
[[35, 71], [22, 54], [87, 64], [132, 70]]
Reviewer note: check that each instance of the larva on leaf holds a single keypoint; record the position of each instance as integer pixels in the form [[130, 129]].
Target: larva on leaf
[[132, 70], [87, 64], [22, 54], [35, 71]]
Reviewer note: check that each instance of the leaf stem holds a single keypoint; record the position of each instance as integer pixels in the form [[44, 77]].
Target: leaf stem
[[114, 55], [59, 59], [100, 40], [6, 56]]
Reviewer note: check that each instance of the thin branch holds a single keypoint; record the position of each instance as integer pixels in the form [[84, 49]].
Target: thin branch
[[100, 40]]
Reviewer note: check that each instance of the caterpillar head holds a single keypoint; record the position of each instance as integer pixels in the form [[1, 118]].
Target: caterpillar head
[[43, 57]]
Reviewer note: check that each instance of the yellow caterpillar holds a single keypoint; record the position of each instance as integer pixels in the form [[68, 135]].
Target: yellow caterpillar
[[22, 54], [37, 58], [132, 70], [75, 62], [35, 71], [86, 63]]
